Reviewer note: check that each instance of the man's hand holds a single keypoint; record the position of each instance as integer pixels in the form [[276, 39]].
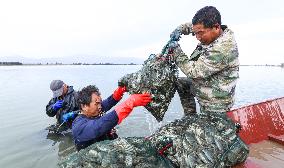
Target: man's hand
[[118, 93], [68, 116], [57, 105], [139, 99], [124, 109]]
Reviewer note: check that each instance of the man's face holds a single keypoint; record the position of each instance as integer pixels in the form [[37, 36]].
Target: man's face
[[94, 108], [206, 35], [65, 89]]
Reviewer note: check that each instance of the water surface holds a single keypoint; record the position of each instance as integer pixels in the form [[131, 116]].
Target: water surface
[[24, 93]]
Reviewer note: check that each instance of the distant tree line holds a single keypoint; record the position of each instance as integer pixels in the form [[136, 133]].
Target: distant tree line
[[59, 63], [281, 65], [11, 63], [107, 63]]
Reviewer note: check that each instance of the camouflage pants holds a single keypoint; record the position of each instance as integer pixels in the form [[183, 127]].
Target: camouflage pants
[[186, 93]]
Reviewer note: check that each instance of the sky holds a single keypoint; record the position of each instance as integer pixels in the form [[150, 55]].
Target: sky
[[132, 28]]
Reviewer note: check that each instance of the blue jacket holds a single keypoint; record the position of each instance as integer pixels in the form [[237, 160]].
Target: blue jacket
[[87, 131]]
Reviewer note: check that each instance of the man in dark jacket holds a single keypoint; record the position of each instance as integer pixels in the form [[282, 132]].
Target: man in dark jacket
[[89, 127], [64, 104]]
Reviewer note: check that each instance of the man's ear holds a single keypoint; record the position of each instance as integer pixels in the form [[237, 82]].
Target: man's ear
[[83, 107], [217, 26]]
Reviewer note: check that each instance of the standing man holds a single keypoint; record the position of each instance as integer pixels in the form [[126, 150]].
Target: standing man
[[89, 127], [212, 69], [64, 104]]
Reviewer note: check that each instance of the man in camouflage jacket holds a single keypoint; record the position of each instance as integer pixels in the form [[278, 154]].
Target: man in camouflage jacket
[[205, 140], [212, 69]]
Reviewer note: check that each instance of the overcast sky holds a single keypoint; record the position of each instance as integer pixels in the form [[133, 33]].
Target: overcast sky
[[132, 28]]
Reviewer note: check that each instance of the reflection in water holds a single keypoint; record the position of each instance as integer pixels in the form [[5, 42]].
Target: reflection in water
[[64, 140]]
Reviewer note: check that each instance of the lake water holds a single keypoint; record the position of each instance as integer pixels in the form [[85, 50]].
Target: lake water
[[24, 93]]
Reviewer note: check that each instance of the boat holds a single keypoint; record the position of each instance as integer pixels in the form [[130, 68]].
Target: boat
[[262, 128]]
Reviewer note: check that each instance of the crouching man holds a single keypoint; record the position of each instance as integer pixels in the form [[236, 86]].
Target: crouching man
[[89, 127]]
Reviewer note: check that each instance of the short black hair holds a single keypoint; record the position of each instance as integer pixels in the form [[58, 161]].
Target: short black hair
[[85, 95], [208, 16]]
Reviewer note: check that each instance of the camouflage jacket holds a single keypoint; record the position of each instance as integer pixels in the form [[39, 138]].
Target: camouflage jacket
[[69, 104], [214, 70]]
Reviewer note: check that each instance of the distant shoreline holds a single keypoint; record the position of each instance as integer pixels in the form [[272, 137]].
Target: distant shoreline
[[58, 64], [47, 64], [265, 65]]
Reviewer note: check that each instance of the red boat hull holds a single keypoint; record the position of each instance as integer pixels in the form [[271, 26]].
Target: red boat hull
[[261, 121]]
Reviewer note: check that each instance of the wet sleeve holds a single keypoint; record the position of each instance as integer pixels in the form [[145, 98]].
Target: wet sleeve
[[108, 103], [98, 127], [49, 110], [208, 63]]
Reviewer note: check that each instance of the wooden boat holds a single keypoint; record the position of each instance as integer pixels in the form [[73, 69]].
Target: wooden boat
[[263, 130]]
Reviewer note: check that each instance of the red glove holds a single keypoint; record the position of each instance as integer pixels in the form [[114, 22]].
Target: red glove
[[118, 93], [124, 109]]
